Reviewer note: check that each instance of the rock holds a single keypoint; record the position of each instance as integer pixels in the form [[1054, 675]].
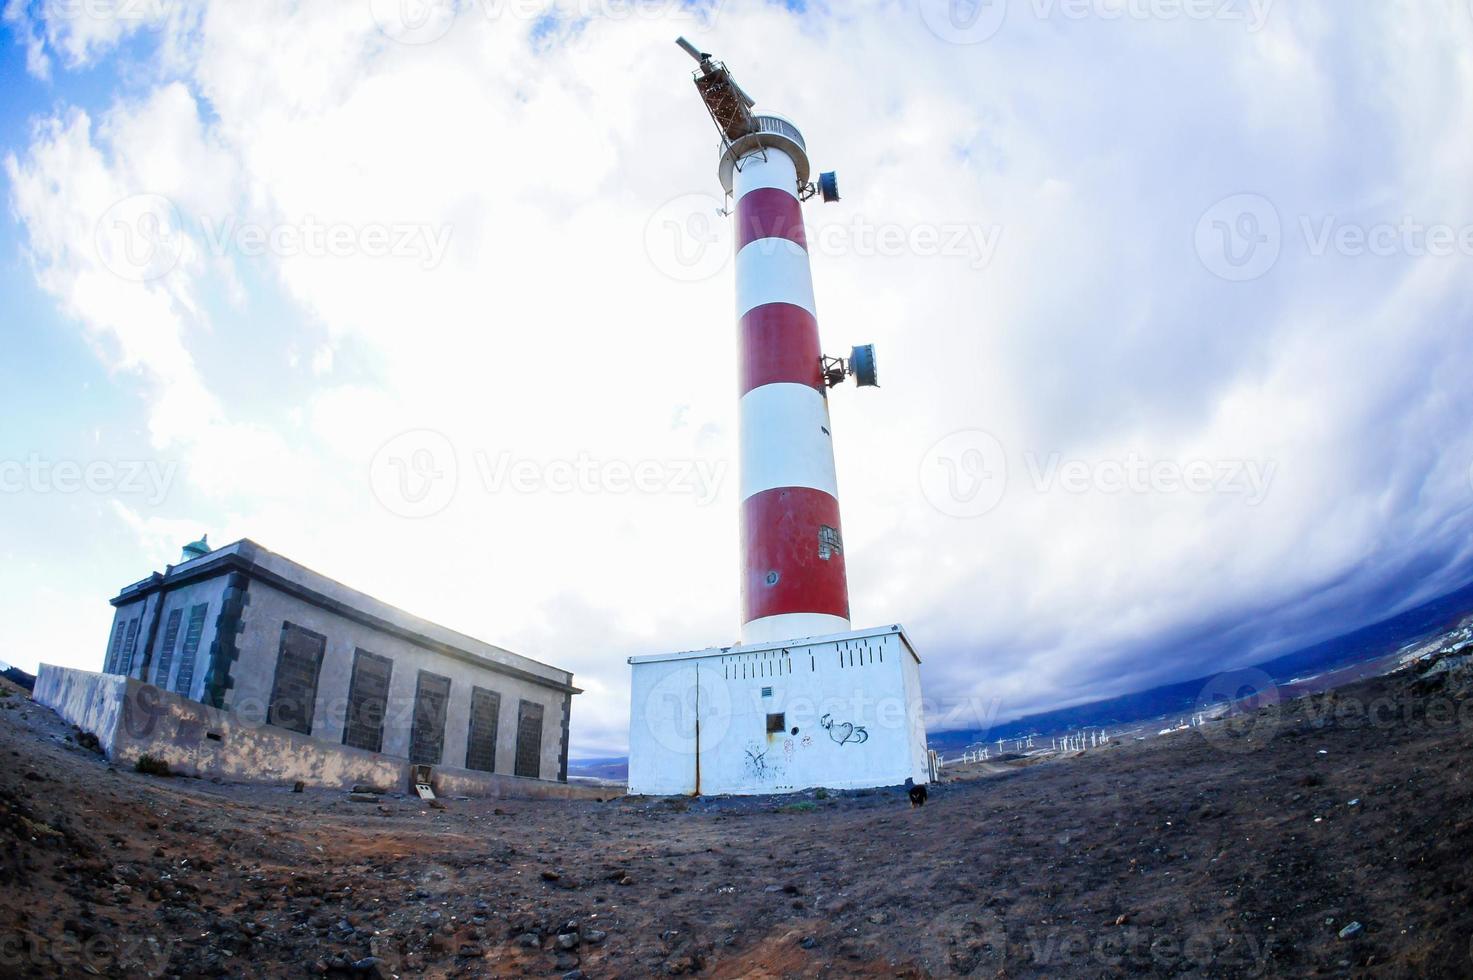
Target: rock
[[565, 961], [530, 940], [550, 875], [363, 797], [626, 880], [298, 786], [369, 966], [365, 788], [1351, 931], [808, 942], [878, 918], [34, 776], [567, 940], [594, 936]]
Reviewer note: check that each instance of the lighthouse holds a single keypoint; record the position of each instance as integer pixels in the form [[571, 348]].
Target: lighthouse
[[803, 700], [793, 581]]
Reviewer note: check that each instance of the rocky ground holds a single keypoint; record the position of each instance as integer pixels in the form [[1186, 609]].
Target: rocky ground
[[1329, 835]]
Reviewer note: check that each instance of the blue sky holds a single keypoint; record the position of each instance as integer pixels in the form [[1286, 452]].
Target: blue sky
[[1172, 305]]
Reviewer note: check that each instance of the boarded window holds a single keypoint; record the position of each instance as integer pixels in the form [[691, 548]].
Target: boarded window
[[776, 723], [192, 634], [480, 745], [130, 645], [166, 655], [427, 736], [294, 691], [115, 652], [529, 739], [368, 701]]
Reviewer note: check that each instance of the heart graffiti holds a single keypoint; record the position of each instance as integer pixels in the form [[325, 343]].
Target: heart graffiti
[[844, 731]]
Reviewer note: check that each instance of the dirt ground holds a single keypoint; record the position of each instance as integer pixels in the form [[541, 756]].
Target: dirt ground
[[1332, 835]]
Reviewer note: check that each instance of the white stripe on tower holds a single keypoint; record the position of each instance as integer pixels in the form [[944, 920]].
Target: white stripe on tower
[[793, 578]]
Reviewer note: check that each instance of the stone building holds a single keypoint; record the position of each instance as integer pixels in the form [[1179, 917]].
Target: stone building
[[252, 633]]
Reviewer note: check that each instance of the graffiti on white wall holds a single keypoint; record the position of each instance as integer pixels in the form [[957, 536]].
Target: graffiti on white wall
[[844, 731]]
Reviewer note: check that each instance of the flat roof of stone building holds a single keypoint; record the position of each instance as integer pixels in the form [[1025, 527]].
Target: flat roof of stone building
[[281, 573]]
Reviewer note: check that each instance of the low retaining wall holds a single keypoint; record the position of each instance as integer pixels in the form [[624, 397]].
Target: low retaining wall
[[131, 719]]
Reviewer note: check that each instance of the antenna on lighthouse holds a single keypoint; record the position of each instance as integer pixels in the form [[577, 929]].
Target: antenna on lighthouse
[[730, 107]]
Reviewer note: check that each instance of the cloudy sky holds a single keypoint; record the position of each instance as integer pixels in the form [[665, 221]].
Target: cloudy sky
[[1172, 300]]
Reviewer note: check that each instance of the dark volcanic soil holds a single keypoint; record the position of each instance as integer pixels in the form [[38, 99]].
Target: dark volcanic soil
[[1180, 855]]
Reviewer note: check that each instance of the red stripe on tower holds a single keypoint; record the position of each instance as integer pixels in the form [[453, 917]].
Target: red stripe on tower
[[793, 577], [778, 342], [785, 573], [769, 212]]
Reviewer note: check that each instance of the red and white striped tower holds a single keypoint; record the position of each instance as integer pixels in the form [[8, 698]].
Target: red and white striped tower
[[793, 578]]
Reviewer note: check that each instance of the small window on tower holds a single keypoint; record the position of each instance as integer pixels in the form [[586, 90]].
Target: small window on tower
[[776, 724], [767, 692], [828, 542]]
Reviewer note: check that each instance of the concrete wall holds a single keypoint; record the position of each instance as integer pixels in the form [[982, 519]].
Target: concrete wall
[[131, 719], [854, 702], [254, 672]]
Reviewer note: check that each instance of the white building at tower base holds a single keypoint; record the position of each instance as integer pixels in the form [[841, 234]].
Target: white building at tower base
[[841, 711]]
